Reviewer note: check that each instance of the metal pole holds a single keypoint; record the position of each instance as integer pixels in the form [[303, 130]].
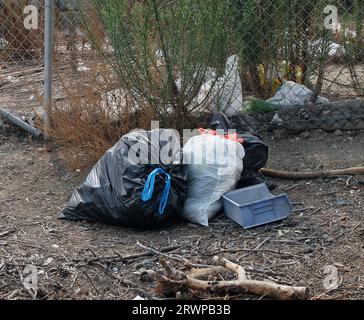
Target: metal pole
[[48, 55]]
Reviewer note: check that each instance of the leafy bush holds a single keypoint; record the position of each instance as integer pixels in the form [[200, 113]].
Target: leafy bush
[[164, 51]]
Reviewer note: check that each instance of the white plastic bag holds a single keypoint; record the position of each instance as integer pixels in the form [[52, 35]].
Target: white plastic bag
[[294, 94], [223, 94], [216, 166], [229, 98]]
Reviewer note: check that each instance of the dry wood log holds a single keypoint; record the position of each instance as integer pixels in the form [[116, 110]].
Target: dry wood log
[[312, 174], [175, 280]]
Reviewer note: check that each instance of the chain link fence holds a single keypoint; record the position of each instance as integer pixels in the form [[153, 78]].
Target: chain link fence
[[21, 54], [117, 60]]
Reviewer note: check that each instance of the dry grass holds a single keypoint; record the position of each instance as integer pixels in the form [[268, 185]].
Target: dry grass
[[85, 123], [90, 111], [84, 137]]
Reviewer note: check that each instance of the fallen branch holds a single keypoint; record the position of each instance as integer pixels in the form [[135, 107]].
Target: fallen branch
[[175, 280], [312, 174]]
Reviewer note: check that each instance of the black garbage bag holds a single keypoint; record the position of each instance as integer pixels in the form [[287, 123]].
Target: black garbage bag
[[121, 191], [256, 151]]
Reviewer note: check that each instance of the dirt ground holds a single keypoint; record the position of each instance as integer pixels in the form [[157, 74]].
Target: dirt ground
[[323, 237]]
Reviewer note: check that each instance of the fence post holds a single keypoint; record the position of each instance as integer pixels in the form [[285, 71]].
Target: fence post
[[48, 55]]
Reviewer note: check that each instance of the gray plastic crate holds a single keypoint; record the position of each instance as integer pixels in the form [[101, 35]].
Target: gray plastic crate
[[256, 205]]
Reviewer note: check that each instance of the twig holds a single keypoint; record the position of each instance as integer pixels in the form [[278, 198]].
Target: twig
[[348, 180], [316, 211], [89, 279], [170, 256], [11, 295], [294, 240], [303, 209], [120, 258], [262, 243], [294, 186], [160, 253], [254, 250], [6, 233], [26, 243], [74, 280]]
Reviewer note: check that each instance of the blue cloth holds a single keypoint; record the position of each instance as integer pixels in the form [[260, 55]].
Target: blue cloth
[[147, 193]]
